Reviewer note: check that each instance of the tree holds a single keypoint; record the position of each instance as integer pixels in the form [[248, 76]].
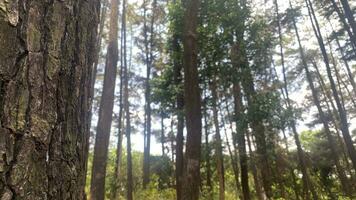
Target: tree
[[129, 186], [192, 102], [350, 17], [342, 112], [97, 189], [45, 73]]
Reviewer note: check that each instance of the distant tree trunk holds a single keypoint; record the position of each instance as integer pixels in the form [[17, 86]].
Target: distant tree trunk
[[306, 179], [234, 157], [240, 131], [192, 102], [258, 187], [46, 59], [129, 186], [218, 143], [330, 138], [350, 17], [97, 187], [207, 148], [346, 26], [340, 80], [348, 69], [149, 63], [180, 118], [256, 123], [341, 110], [99, 40], [163, 137], [116, 183]]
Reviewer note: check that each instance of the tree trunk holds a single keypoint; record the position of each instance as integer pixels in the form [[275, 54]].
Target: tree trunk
[[149, 62], [207, 148], [46, 60], [234, 157], [180, 119], [347, 66], [129, 186], [306, 179], [116, 183], [97, 187], [240, 131], [258, 187], [192, 102], [342, 112], [346, 26], [99, 40], [350, 18], [163, 137], [218, 143]]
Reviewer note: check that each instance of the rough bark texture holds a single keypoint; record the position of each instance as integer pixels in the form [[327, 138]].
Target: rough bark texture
[[45, 71], [97, 188], [192, 103]]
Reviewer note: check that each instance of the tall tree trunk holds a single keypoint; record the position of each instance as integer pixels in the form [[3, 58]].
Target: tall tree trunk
[[347, 66], [258, 187], [256, 123], [322, 115], [240, 131], [46, 59], [163, 137], [234, 157], [177, 67], [129, 186], [149, 62], [180, 119], [97, 187], [116, 183], [218, 143], [192, 102], [307, 185], [207, 147], [99, 40], [350, 17], [346, 26], [341, 110]]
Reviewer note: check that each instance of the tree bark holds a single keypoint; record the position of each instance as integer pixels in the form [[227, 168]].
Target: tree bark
[[46, 60], [192, 100]]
